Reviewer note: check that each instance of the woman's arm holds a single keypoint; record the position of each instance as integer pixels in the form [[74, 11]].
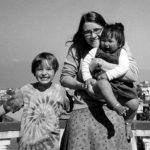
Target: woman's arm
[[72, 83], [70, 70]]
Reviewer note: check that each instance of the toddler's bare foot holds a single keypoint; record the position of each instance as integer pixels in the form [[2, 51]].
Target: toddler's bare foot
[[121, 110], [129, 133]]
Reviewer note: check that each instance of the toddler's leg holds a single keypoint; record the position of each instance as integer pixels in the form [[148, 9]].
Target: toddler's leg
[[103, 87], [133, 106]]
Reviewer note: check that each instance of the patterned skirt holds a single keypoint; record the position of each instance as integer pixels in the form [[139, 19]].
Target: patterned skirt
[[95, 128]]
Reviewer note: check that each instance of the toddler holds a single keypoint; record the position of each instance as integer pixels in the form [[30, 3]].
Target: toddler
[[119, 94]]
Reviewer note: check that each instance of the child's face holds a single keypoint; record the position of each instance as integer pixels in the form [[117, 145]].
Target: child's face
[[44, 73], [109, 44]]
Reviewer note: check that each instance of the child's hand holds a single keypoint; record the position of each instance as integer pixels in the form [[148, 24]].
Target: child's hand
[[5, 95], [18, 100], [8, 105], [14, 100], [6, 98]]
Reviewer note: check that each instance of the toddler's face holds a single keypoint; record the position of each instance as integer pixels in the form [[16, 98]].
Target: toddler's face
[[109, 44], [44, 73]]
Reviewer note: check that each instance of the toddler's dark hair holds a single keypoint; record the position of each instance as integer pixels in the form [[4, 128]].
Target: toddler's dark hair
[[114, 30], [38, 60]]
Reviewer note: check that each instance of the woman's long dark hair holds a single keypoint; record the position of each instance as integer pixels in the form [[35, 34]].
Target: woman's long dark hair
[[78, 38]]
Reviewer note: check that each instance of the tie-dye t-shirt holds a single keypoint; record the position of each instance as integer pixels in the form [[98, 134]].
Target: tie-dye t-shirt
[[40, 118]]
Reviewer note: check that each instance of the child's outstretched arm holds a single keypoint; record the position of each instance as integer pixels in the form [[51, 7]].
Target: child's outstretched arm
[[2, 111], [6, 97], [13, 101]]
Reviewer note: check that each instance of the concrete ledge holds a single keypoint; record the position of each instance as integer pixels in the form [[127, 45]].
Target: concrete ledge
[[142, 133], [141, 125], [9, 126], [14, 125], [9, 135]]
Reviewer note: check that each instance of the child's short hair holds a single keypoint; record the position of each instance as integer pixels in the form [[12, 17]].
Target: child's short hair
[[38, 60], [114, 30]]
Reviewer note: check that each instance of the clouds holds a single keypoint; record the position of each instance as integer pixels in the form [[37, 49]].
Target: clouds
[[8, 61]]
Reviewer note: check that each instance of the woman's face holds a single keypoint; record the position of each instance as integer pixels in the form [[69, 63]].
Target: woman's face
[[91, 32]]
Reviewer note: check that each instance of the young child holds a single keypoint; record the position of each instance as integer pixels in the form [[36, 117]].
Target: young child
[[43, 102], [119, 94]]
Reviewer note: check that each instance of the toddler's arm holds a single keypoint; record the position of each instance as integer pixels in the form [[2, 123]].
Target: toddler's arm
[[116, 72], [105, 66], [113, 71], [122, 67], [132, 73], [86, 74]]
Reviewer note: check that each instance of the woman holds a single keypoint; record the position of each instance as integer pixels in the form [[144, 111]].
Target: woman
[[92, 124]]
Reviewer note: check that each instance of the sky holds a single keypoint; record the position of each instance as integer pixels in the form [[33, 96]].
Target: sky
[[28, 27]]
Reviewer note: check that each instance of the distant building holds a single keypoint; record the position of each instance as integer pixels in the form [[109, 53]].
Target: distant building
[[143, 89]]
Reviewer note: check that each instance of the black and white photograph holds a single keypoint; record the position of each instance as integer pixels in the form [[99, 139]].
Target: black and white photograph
[[74, 75]]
